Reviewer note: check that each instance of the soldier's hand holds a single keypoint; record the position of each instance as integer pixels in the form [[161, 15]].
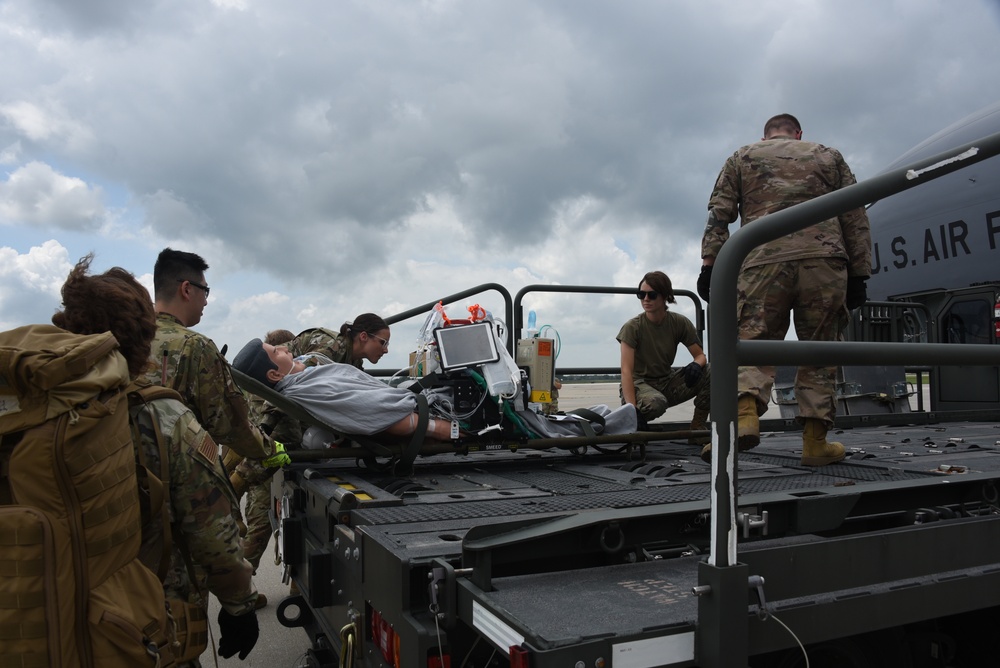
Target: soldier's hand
[[692, 374], [237, 633], [857, 292], [704, 281]]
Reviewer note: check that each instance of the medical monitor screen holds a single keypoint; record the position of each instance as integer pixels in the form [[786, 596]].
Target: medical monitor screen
[[462, 346]]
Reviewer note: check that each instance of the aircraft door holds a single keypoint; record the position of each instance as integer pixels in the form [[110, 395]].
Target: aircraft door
[[967, 318]]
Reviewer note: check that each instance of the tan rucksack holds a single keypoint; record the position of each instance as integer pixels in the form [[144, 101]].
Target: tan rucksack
[[72, 590]]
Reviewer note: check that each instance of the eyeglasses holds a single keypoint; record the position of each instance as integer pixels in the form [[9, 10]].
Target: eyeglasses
[[197, 285], [643, 294], [384, 342]]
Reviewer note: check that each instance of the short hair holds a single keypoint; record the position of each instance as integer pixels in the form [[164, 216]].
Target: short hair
[[366, 322], [253, 361], [277, 337], [110, 302], [660, 282], [785, 122], [172, 266]]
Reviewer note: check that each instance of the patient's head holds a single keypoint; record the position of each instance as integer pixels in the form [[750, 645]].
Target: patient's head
[[266, 363]]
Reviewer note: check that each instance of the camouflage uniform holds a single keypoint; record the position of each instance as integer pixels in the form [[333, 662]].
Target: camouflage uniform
[[258, 504], [658, 386], [200, 514], [805, 271], [195, 368], [337, 347]]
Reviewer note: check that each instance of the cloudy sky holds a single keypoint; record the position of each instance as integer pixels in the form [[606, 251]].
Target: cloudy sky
[[331, 157]]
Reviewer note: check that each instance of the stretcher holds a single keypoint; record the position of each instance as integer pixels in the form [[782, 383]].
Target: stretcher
[[398, 456]]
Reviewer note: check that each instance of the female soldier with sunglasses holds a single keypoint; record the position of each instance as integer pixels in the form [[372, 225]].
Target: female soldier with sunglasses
[[649, 343], [366, 338]]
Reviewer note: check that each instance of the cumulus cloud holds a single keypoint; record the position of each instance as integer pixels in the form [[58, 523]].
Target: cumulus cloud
[[30, 283], [38, 195]]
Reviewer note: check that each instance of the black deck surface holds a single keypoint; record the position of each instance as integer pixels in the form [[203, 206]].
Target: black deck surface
[[556, 609], [449, 501], [448, 487]]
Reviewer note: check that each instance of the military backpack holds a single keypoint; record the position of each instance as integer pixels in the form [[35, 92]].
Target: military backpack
[[73, 592]]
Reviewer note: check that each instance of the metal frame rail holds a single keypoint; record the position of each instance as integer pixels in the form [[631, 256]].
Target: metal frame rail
[[595, 290], [723, 628], [514, 314], [424, 309]]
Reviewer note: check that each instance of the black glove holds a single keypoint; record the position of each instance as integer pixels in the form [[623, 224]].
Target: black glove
[[704, 281], [237, 634], [692, 374], [857, 292]]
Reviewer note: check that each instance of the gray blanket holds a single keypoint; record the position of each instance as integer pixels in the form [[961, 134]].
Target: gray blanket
[[353, 402], [621, 420], [348, 399]]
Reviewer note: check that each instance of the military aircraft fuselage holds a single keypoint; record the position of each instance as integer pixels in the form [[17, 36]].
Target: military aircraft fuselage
[[945, 234]]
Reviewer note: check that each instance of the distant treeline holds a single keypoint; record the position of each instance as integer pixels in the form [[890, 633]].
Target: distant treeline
[[589, 378]]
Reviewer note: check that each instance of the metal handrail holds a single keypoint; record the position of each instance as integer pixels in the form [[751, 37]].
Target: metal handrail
[[597, 290], [423, 310]]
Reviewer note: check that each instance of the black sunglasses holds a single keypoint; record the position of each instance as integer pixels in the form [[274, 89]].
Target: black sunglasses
[[642, 294], [197, 285]]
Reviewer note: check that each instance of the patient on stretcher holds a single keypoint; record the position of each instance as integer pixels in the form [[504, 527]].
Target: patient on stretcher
[[341, 395], [351, 401]]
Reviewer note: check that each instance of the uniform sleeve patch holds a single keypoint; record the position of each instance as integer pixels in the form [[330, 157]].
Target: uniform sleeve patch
[[207, 448]]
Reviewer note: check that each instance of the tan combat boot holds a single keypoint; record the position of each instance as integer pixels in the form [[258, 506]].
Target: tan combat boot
[[816, 451], [747, 427], [747, 423], [699, 422]]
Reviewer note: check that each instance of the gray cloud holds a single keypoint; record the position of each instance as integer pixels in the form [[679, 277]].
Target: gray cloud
[[319, 142]]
